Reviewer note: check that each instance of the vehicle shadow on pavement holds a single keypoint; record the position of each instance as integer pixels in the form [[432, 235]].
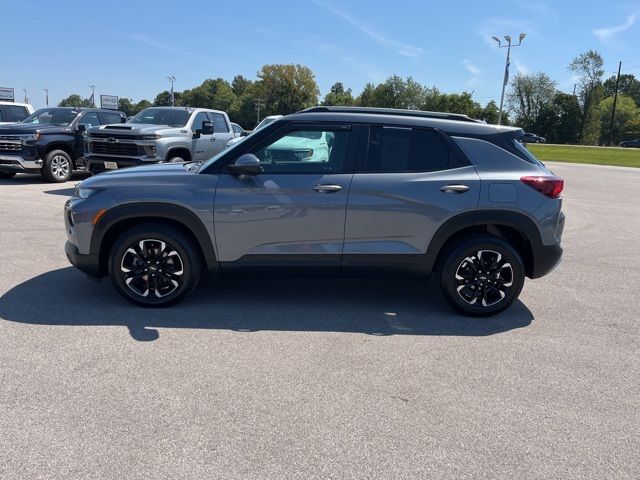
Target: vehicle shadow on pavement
[[35, 178], [373, 307]]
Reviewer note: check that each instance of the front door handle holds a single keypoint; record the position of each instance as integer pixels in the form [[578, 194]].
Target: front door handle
[[454, 188], [327, 188]]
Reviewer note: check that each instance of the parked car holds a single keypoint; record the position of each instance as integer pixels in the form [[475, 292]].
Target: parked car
[[533, 138], [11, 112], [399, 191], [156, 135], [631, 143], [50, 141], [263, 123], [238, 131]]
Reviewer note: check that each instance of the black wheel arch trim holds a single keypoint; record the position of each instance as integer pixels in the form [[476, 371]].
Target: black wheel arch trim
[[148, 211], [517, 221]]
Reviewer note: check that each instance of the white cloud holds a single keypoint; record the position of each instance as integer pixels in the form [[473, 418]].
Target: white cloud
[[522, 68], [401, 48], [608, 35], [148, 41], [473, 69]]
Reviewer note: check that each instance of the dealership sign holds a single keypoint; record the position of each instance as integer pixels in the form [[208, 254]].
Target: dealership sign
[[109, 101], [6, 94]]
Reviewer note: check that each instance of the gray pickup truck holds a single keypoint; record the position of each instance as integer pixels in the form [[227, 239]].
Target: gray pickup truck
[[158, 134]]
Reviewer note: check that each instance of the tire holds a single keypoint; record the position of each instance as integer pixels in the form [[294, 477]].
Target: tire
[[487, 293], [176, 158], [7, 175], [146, 253], [57, 166]]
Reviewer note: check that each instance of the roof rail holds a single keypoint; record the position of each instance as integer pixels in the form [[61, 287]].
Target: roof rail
[[392, 111]]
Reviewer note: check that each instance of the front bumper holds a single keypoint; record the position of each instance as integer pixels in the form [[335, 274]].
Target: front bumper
[[95, 164], [89, 264], [17, 163]]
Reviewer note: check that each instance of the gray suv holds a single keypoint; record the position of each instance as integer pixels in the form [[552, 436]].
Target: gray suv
[[332, 189]]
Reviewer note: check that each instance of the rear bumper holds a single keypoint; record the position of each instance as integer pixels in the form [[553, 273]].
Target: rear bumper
[[89, 264], [545, 260]]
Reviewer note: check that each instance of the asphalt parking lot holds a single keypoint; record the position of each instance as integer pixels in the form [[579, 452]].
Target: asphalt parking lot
[[262, 378]]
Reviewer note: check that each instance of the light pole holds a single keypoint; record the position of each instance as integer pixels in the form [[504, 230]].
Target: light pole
[[26, 99], [172, 79], [46, 91], [506, 67], [93, 98]]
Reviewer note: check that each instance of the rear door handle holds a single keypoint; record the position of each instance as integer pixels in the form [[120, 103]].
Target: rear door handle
[[454, 188], [327, 188]]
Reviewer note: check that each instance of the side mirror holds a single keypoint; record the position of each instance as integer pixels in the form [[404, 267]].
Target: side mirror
[[244, 133], [207, 128], [247, 164], [81, 128], [123, 119]]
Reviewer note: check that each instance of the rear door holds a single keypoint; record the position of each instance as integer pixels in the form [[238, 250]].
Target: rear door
[[407, 182], [293, 213]]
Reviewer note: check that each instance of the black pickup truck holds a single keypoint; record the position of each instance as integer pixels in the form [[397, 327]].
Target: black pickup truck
[[50, 141]]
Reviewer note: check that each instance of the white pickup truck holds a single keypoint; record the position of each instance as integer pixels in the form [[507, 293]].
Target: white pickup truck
[[158, 134]]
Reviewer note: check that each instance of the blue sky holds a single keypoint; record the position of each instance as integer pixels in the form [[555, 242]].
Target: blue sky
[[127, 48]]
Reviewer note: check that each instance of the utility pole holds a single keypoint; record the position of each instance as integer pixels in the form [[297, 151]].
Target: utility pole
[[172, 79], [615, 100], [46, 91], [506, 67], [26, 99], [259, 102], [93, 97], [574, 89]]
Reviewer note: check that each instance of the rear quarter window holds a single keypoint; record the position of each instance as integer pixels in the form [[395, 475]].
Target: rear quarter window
[[13, 113]]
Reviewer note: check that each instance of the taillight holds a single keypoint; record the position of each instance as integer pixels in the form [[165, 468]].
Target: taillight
[[549, 186]]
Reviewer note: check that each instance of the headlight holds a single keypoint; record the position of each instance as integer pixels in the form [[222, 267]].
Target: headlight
[[302, 154], [86, 192], [151, 137], [29, 138]]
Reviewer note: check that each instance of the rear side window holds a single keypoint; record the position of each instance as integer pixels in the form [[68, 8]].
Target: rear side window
[[219, 123], [400, 149], [13, 113]]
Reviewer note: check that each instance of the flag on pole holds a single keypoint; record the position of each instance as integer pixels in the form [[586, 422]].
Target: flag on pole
[[92, 100], [506, 72]]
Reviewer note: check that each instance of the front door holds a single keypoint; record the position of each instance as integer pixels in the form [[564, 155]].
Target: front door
[[293, 213], [204, 143]]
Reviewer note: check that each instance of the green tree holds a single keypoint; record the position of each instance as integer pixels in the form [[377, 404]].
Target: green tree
[[588, 67], [490, 113], [126, 106], [240, 85], [287, 88], [528, 95], [212, 93], [75, 100], [141, 105], [629, 85], [394, 92], [163, 99], [627, 112], [339, 96], [559, 122]]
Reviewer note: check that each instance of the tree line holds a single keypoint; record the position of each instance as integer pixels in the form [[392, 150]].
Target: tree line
[[533, 100]]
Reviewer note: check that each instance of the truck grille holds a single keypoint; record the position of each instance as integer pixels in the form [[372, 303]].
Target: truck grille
[[104, 148], [10, 144]]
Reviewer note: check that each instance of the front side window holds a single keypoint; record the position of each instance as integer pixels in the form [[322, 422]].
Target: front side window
[[170, 117], [52, 116], [197, 121], [237, 128], [401, 149], [305, 151], [219, 123], [89, 120]]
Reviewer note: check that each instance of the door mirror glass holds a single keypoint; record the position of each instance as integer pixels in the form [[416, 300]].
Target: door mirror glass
[[207, 128], [82, 128], [247, 164]]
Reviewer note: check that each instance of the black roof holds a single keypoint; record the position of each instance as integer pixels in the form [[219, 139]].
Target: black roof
[[392, 111]]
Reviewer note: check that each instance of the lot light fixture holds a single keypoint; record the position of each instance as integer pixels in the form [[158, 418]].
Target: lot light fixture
[[506, 67]]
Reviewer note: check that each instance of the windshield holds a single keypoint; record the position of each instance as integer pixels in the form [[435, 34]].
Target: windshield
[[52, 116], [266, 121], [162, 116]]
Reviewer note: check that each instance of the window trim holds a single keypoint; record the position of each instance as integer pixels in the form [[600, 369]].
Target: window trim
[[455, 152], [349, 161]]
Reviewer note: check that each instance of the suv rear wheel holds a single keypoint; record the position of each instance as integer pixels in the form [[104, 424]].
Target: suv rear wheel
[[154, 265], [57, 166], [482, 276]]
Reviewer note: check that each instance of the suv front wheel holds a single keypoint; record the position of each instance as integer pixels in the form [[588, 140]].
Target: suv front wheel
[[154, 265], [482, 276]]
